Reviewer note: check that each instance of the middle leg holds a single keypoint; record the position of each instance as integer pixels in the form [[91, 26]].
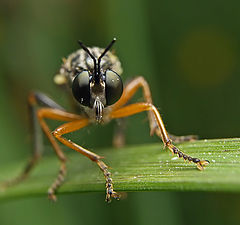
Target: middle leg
[[55, 114], [129, 91]]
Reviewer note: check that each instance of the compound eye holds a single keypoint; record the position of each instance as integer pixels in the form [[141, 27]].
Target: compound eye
[[81, 88], [113, 88]]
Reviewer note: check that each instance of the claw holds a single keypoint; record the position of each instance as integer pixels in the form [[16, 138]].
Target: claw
[[112, 194], [201, 164], [116, 195], [52, 197]]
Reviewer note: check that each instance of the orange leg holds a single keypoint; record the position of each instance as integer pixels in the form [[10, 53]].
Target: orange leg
[[76, 125], [53, 111], [55, 114], [128, 92], [140, 107], [130, 89]]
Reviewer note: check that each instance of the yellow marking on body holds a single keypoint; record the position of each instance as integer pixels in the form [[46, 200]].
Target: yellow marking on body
[[59, 79]]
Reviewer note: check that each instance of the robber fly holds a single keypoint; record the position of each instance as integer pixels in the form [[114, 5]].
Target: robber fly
[[93, 77]]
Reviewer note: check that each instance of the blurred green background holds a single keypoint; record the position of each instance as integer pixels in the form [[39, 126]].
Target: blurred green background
[[187, 50]]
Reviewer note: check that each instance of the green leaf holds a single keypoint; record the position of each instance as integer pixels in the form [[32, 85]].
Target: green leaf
[[137, 168]]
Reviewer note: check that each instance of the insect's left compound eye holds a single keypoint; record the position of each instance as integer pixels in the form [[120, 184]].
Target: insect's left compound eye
[[81, 88], [113, 88]]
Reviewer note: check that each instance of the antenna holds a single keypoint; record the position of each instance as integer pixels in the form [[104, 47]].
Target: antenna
[[105, 51], [97, 67], [90, 54]]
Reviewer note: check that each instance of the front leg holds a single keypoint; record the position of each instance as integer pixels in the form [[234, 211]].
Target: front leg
[[76, 125], [140, 107]]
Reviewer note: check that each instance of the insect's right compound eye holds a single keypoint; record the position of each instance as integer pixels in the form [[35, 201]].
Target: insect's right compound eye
[[81, 88]]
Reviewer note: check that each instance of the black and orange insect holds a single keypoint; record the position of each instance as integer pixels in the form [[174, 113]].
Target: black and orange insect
[[92, 76]]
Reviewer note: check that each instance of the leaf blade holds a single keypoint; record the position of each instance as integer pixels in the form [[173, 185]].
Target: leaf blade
[[138, 168]]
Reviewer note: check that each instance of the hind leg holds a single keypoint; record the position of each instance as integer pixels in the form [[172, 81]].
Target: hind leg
[[179, 139], [35, 100]]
